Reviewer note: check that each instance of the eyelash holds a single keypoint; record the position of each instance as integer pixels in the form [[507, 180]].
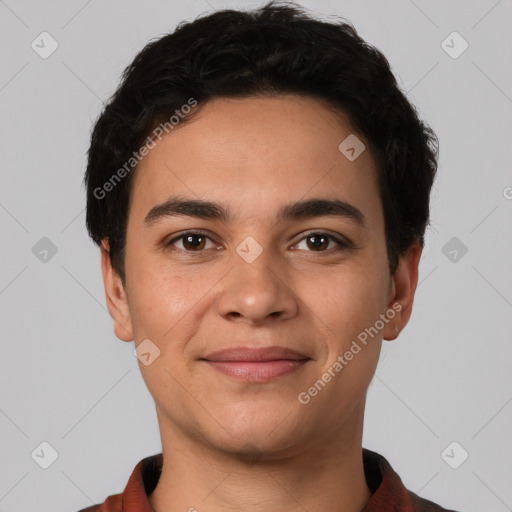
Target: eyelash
[[343, 246]]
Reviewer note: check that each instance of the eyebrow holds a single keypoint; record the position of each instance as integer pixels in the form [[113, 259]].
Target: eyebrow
[[208, 210]]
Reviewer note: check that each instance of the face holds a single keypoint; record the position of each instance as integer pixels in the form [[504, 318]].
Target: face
[[313, 280]]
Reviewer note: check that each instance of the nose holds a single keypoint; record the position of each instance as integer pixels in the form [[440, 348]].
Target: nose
[[257, 292]]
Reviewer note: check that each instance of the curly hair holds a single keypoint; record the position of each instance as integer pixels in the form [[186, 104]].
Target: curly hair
[[276, 49]]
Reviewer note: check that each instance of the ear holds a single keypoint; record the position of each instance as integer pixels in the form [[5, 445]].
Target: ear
[[115, 295], [402, 290]]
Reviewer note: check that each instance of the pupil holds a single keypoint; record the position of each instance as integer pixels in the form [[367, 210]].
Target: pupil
[[191, 237], [317, 245]]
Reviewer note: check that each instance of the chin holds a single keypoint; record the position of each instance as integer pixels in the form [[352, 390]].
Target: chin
[[257, 434]]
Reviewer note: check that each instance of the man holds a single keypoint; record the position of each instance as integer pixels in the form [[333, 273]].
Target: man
[[259, 189]]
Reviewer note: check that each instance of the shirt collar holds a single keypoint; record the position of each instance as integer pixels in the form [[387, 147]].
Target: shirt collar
[[388, 491]]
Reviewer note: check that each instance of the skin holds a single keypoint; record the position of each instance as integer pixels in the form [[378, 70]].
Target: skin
[[254, 155]]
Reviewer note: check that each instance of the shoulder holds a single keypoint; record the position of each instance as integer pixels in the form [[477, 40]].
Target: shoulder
[[113, 503], [389, 492], [134, 491]]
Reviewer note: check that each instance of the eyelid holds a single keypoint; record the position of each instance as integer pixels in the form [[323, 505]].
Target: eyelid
[[343, 242], [340, 239], [182, 235]]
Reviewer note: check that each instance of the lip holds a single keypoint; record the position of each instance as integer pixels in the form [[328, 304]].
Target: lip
[[256, 364], [261, 354]]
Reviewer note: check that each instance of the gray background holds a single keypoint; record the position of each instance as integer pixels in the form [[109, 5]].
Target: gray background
[[67, 380]]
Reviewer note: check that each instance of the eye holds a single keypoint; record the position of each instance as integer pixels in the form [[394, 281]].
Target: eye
[[192, 241], [319, 242], [196, 241]]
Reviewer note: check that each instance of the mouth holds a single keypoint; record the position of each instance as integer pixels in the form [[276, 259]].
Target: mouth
[[256, 364]]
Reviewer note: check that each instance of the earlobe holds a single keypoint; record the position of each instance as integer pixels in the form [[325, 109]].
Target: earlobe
[[403, 289], [115, 296]]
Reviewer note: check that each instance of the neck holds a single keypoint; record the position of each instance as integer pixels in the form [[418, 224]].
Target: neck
[[327, 475]]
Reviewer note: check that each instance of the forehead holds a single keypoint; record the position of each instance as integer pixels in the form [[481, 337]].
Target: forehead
[[257, 152]]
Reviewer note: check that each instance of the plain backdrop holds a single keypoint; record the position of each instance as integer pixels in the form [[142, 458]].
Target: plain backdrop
[[66, 380]]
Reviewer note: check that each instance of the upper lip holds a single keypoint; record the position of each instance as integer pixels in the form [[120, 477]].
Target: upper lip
[[261, 354]]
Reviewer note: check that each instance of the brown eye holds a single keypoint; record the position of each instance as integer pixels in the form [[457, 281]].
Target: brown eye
[[190, 241], [194, 242], [319, 242]]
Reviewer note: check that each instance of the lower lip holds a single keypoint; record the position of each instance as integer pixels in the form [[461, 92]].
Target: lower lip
[[257, 371]]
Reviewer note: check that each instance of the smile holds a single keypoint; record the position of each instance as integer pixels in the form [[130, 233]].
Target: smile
[[257, 371]]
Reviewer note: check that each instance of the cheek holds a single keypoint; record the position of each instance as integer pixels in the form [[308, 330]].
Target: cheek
[[166, 303], [348, 301], [349, 305]]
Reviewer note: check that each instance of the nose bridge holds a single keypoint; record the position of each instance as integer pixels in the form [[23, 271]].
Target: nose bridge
[[256, 287], [256, 266]]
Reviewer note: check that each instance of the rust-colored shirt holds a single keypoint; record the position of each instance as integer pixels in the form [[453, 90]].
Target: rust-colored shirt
[[388, 491]]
